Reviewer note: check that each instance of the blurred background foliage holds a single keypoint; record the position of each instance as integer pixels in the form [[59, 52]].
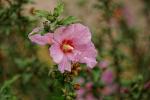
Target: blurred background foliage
[[120, 33]]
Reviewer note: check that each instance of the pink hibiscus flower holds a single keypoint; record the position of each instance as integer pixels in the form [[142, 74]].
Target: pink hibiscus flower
[[90, 96], [80, 94], [107, 77], [89, 86], [68, 45]]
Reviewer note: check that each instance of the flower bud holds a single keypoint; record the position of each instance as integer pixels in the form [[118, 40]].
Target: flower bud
[[76, 86]]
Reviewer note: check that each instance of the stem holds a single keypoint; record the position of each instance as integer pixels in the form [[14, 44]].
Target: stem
[[107, 10], [115, 60]]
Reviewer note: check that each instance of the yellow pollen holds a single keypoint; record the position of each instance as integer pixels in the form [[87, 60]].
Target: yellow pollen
[[67, 47]]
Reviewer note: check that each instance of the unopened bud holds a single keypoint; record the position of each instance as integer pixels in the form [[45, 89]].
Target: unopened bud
[[147, 85], [124, 90], [77, 86]]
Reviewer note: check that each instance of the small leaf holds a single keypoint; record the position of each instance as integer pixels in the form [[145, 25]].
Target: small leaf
[[68, 20], [42, 13], [59, 9], [9, 82], [96, 74], [26, 77]]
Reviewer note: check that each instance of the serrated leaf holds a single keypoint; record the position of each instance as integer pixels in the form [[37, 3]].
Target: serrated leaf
[[59, 9], [42, 13], [69, 20]]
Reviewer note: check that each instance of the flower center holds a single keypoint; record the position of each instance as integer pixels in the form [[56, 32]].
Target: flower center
[[67, 46]]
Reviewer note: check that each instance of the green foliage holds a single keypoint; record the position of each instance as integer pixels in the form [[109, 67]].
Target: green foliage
[[42, 13], [6, 93], [96, 74], [59, 9], [53, 19], [18, 56], [11, 15], [68, 20]]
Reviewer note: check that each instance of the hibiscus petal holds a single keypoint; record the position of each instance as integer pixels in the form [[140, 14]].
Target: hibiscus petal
[[65, 65], [35, 37], [59, 34], [79, 33], [60, 30], [56, 53], [74, 56], [41, 40], [91, 62], [87, 50], [35, 30], [85, 54]]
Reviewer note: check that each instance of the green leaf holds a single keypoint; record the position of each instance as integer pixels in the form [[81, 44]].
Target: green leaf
[[23, 63], [9, 82], [69, 20], [26, 77], [6, 92], [42, 13], [96, 74], [59, 9]]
